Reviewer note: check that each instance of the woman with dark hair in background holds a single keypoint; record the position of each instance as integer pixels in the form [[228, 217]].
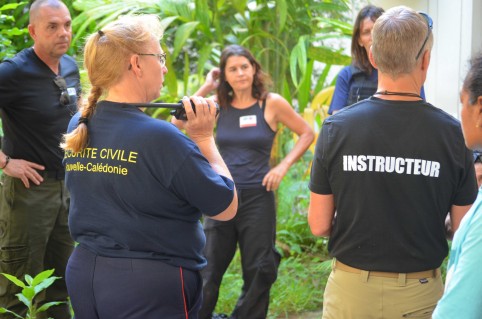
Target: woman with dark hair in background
[[246, 129], [359, 80], [463, 288]]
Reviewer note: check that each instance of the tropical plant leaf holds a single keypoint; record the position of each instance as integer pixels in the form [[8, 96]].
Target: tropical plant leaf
[[11, 6], [183, 33], [15, 280], [304, 94], [166, 22], [282, 13], [328, 56], [28, 279], [45, 283], [28, 292], [24, 300], [42, 276]]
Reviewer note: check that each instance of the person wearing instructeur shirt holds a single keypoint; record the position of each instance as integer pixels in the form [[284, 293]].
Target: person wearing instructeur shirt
[[391, 167], [359, 80], [462, 297], [39, 89], [138, 185]]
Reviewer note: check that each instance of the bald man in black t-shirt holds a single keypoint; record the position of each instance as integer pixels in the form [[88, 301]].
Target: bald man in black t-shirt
[[39, 88]]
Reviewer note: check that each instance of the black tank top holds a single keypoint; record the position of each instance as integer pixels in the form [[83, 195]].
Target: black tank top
[[245, 140]]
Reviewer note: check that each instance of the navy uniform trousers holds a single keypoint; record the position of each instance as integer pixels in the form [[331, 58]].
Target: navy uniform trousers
[[127, 288]]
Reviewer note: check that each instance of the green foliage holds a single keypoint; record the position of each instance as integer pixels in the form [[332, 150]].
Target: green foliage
[[287, 37], [31, 288], [299, 287], [13, 33]]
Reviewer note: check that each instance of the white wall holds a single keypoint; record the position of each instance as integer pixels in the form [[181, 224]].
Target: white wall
[[457, 36]]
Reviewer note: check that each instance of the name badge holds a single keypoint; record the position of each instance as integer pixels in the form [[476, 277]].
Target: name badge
[[247, 121], [71, 91]]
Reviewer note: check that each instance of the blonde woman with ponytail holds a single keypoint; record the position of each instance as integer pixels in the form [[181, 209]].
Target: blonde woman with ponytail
[[138, 185]]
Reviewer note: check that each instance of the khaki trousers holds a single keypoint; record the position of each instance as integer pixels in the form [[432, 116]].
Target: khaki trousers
[[362, 296]]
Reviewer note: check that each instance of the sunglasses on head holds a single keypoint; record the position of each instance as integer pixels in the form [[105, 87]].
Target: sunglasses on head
[[64, 94], [429, 26], [477, 157]]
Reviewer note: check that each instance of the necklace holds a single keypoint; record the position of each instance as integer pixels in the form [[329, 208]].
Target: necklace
[[398, 93]]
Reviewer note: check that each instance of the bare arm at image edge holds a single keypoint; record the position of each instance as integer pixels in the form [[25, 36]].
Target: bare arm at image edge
[[456, 215], [321, 213]]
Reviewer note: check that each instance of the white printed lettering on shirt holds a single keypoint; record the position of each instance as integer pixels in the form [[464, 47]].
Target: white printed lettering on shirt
[[247, 121]]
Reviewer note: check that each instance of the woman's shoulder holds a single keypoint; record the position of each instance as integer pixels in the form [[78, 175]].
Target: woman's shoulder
[[274, 98]]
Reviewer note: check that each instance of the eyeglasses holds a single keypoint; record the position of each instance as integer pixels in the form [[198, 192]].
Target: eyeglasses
[[64, 95], [429, 26], [160, 56]]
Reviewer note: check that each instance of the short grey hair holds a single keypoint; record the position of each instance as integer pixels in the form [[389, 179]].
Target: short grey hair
[[34, 8], [398, 36]]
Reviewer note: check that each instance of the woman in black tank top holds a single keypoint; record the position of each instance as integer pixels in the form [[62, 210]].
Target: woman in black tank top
[[246, 128]]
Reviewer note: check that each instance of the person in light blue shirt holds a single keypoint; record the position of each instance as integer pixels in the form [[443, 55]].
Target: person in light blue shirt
[[463, 289]]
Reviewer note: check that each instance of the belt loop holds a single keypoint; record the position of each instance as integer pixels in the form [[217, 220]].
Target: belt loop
[[402, 280], [364, 274]]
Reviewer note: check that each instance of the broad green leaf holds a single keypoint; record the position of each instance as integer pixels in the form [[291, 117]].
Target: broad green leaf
[[170, 80], [328, 56], [24, 300], [204, 55], [183, 33], [166, 22], [42, 276], [14, 280], [302, 58], [45, 284], [345, 27], [14, 32], [298, 59], [304, 92], [282, 13], [202, 12], [28, 292], [286, 91], [28, 279], [240, 5], [11, 6]]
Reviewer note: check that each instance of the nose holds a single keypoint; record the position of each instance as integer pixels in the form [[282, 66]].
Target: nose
[[164, 69]]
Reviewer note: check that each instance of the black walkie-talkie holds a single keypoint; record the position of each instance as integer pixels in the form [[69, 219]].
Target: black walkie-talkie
[[178, 110]]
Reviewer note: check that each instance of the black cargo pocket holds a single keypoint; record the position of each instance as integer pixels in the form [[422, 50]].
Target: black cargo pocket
[[424, 312], [13, 260]]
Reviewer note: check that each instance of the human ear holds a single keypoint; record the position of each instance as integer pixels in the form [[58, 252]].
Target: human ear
[[372, 60]]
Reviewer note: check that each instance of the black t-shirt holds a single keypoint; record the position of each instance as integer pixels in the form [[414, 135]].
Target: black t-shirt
[[32, 116], [395, 168], [138, 190], [245, 141]]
